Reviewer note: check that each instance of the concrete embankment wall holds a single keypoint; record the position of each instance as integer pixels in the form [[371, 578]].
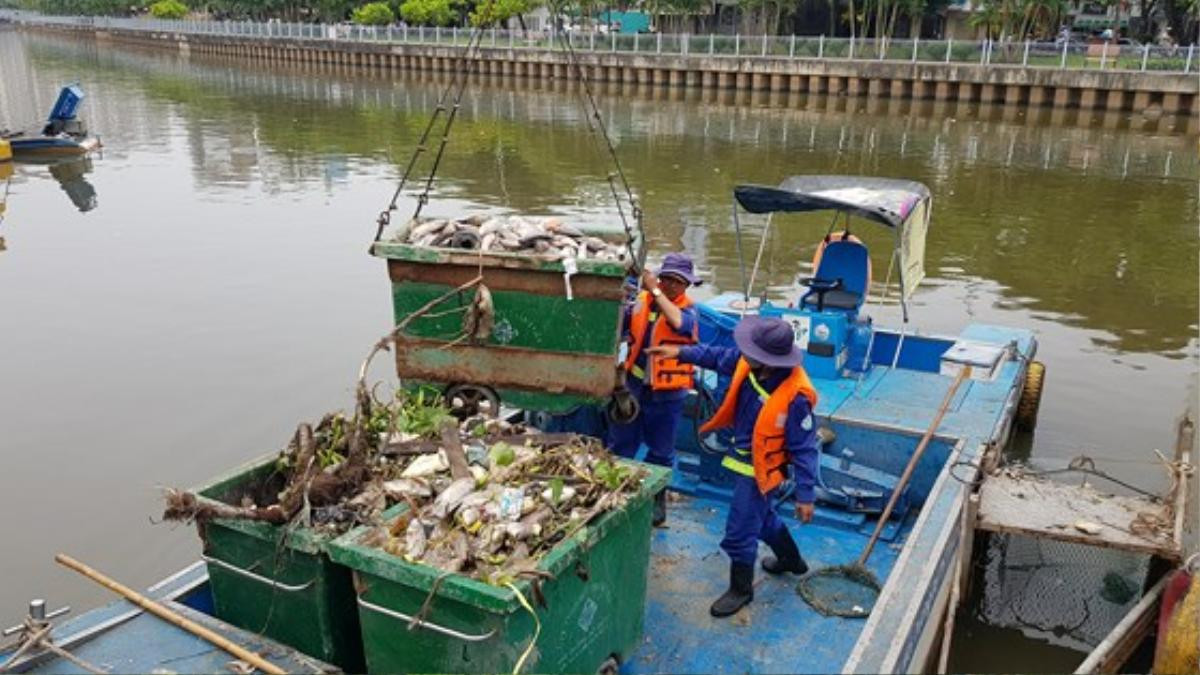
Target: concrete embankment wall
[[1168, 93]]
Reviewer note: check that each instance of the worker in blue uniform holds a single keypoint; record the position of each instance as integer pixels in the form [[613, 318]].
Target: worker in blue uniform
[[769, 405], [662, 315]]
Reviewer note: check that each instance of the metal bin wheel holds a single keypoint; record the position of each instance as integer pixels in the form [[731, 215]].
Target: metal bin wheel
[[469, 400]]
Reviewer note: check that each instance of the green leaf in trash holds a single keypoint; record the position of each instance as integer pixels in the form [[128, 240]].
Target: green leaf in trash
[[611, 474], [502, 454], [556, 488]]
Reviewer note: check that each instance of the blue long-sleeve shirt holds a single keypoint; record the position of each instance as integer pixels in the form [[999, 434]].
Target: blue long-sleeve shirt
[[686, 328], [800, 429]]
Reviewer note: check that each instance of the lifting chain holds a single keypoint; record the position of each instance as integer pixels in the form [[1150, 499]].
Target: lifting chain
[[591, 113], [464, 66]]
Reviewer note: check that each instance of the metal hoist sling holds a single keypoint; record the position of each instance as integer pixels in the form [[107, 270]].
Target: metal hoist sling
[[446, 111]]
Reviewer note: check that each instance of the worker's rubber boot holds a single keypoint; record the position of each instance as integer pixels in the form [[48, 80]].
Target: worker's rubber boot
[[787, 556], [660, 509], [740, 593]]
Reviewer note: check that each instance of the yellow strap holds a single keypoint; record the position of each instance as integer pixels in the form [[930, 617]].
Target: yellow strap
[[738, 466], [537, 628], [763, 395], [637, 372]]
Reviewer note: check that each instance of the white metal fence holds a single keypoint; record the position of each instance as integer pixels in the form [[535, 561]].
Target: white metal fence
[[983, 52]]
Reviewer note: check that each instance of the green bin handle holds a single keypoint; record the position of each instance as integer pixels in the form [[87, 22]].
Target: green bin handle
[[257, 577], [421, 623]]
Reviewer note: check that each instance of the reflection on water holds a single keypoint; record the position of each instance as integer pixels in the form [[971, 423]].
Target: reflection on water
[[70, 176], [69, 173], [226, 294]]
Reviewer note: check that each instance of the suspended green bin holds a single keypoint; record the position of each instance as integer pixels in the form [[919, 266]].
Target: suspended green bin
[[555, 339], [278, 581], [594, 601]]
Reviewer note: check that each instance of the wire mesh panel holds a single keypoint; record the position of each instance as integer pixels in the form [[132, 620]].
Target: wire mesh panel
[[1067, 594]]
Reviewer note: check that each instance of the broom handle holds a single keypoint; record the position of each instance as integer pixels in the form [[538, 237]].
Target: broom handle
[[170, 616], [912, 465]]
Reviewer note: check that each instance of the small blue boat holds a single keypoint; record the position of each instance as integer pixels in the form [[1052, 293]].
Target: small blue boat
[[881, 391], [63, 135]]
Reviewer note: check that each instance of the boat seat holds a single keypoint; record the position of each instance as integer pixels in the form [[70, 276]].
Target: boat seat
[[836, 299], [841, 257]]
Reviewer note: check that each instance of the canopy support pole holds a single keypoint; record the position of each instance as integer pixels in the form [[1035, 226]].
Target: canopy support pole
[[762, 244], [737, 229]]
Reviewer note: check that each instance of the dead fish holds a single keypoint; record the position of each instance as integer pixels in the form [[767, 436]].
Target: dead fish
[[480, 318], [407, 487], [533, 239], [426, 465], [520, 531], [491, 226], [415, 539], [479, 498], [371, 499], [451, 497], [595, 243], [476, 219], [428, 227], [488, 240], [568, 231]]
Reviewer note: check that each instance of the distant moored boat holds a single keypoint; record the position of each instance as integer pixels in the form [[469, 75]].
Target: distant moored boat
[[63, 134]]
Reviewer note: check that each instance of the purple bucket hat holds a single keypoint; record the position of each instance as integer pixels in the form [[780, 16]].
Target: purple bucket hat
[[678, 265], [770, 342]]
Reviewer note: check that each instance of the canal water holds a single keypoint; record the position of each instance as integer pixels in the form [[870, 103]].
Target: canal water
[[175, 305]]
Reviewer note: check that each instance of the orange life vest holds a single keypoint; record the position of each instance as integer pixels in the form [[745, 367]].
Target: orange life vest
[[665, 374], [767, 453]]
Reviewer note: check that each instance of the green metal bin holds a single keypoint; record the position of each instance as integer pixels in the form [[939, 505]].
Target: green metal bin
[[594, 603], [275, 581], [546, 352]]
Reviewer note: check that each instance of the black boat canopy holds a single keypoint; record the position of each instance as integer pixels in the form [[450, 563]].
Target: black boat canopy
[[888, 201]]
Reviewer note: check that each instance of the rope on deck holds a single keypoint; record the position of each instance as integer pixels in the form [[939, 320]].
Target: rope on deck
[[38, 636]]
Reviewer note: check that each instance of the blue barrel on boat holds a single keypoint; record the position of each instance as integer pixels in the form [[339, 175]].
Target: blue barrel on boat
[[67, 104]]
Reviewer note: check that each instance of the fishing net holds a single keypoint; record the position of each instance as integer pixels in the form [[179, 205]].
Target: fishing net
[[846, 590], [1065, 593]]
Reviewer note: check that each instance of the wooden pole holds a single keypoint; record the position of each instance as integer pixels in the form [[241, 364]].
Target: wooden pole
[[912, 465], [170, 616]]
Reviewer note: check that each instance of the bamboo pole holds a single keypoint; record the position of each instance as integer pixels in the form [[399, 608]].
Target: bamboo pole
[[170, 616], [963, 374]]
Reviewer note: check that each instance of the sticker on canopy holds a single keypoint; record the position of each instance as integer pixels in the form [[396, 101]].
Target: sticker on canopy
[[800, 326]]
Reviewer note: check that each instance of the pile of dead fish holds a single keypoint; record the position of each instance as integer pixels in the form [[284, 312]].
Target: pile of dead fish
[[517, 497], [513, 234]]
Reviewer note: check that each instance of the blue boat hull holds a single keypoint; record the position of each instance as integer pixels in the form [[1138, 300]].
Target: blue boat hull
[[51, 146]]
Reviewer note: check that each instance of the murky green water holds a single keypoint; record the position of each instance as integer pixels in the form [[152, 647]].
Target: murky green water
[[219, 290]]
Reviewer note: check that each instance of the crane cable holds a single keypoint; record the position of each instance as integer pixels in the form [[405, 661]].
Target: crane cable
[[592, 110], [463, 67]]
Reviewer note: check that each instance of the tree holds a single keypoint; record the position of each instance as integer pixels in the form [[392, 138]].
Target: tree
[[428, 12], [497, 12], [168, 9], [373, 14]]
